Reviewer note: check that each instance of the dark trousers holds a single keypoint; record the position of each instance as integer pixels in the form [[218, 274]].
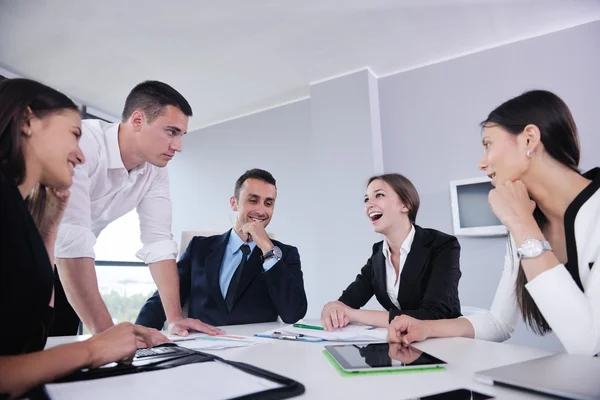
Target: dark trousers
[[66, 321]]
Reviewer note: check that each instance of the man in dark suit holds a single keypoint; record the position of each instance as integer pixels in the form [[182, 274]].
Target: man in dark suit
[[241, 276]]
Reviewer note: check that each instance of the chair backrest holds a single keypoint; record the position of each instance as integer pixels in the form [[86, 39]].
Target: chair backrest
[[187, 236], [468, 310]]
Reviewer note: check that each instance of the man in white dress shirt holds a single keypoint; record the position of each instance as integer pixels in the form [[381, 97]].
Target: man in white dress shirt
[[124, 169]]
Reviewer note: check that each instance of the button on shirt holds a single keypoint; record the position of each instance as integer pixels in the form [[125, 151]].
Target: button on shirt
[[232, 258], [103, 190], [393, 286]]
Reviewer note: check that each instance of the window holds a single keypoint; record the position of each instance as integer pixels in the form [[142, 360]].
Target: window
[[124, 290], [124, 281], [87, 113], [120, 240]]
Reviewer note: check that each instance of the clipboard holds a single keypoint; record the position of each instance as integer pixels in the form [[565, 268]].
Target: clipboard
[[276, 334], [286, 387], [350, 334]]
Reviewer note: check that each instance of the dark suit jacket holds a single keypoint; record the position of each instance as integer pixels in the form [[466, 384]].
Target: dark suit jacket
[[428, 281], [261, 296]]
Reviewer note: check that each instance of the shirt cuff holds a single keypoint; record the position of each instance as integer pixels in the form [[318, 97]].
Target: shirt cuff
[[158, 251], [267, 265], [540, 287], [73, 241], [488, 327], [550, 285]]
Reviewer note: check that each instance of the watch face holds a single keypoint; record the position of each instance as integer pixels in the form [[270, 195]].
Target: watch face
[[277, 252], [532, 248]]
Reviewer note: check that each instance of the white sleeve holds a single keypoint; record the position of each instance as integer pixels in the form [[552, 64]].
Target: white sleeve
[[155, 215], [573, 315], [75, 237], [500, 321]]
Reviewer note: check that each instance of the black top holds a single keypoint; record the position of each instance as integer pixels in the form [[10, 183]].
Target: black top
[[428, 282], [572, 264], [26, 277]]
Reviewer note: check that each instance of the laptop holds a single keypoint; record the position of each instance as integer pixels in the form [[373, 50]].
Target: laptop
[[562, 375]]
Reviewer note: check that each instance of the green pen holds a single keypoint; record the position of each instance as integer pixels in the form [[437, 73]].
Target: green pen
[[316, 328]]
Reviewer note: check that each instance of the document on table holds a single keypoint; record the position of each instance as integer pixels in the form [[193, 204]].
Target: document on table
[[201, 380], [201, 341], [349, 333]]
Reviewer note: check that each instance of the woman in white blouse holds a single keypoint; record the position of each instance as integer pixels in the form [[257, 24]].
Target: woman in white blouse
[[551, 272], [413, 271]]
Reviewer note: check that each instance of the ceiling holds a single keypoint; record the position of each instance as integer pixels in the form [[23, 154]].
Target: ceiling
[[233, 57]]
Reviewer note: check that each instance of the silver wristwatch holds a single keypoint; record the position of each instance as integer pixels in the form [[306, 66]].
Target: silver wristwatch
[[273, 253], [532, 248]]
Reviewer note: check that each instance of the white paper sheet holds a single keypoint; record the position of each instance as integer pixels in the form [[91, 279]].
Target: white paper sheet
[[350, 333], [177, 338], [220, 343], [201, 341], [339, 335], [207, 381]]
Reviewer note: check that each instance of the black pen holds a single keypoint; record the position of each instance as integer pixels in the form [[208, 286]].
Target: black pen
[[280, 335]]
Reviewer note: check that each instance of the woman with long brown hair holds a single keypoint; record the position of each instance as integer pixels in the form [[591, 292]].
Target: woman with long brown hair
[[551, 272], [39, 149]]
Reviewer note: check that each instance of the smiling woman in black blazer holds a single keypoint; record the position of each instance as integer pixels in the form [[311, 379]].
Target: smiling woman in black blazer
[[413, 271]]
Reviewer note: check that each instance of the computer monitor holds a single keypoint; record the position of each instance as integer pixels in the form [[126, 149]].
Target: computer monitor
[[471, 213]]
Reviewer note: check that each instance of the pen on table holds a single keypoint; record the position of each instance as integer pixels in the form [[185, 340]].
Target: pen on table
[[183, 339], [317, 328], [280, 335]]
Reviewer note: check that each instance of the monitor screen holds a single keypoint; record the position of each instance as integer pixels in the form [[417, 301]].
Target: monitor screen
[[474, 210]]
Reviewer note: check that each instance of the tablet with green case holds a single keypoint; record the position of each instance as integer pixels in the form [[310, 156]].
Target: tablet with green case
[[351, 359]]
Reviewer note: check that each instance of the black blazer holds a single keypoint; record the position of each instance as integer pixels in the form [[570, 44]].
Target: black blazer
[[26, 277], [428, 282], [261, 296]]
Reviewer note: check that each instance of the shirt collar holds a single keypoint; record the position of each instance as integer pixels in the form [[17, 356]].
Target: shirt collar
[[113, 152], [406, 245], [235, 242]]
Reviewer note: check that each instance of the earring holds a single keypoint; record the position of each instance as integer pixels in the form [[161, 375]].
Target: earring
[[530, 153], [28, 132]]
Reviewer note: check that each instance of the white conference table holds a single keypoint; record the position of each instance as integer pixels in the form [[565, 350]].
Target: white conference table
[[305, 363]]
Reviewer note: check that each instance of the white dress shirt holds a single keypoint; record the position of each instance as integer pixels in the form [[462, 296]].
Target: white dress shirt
[[393, 285], [103, 190], [573, 314]]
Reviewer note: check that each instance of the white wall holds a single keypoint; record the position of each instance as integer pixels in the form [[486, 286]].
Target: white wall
[[346, 150]]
